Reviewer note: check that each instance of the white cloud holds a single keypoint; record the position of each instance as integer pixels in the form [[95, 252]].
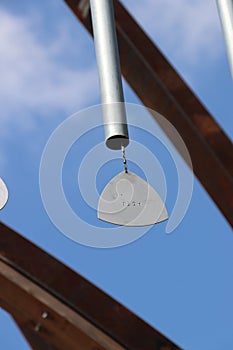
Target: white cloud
[[32, 80], [185, 29]]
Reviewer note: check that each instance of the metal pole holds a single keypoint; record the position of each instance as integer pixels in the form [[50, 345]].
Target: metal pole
[[107, 56], [225, 9]]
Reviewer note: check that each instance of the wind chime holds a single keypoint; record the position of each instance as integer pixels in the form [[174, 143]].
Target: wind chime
[[127, 199]]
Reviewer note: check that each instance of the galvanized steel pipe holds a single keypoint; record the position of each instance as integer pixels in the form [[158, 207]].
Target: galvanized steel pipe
[[107, 56]]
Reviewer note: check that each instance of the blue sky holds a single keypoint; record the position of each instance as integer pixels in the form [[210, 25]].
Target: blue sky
[[181, 283]]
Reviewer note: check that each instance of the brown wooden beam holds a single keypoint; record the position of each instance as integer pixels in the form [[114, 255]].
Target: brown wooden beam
[[63, 328], [80, 316], [161, 88]]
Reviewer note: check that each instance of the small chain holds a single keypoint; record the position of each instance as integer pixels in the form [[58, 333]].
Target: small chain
[[124, 158]]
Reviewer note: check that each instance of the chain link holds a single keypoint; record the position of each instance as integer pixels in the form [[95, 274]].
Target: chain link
[[124, 159]]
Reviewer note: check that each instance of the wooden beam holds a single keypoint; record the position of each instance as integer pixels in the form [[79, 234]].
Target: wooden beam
[[80, 316], [63, 328], [161, 88]]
